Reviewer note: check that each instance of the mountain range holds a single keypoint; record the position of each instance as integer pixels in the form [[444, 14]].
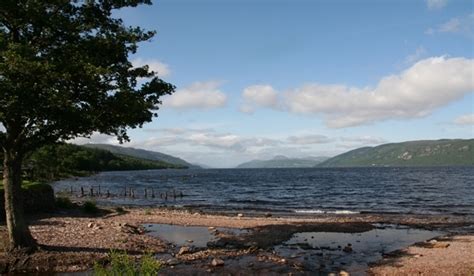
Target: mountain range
[[143, 154], [445, 152], [281, 161]]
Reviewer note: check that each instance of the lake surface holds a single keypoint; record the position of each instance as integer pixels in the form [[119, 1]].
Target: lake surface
[[440, 190]]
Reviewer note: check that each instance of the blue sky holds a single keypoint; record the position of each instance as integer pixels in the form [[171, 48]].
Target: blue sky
[[302, 78]]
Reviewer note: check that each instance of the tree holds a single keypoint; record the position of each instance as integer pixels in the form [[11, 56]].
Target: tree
[[64, 73]]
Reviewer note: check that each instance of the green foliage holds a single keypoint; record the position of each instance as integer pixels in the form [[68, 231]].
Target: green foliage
[[62, 160], [123, 264], [64, 203], [147, 211], [143, 154], [414, 153], [90, 207], [30, 185], [65, 72]]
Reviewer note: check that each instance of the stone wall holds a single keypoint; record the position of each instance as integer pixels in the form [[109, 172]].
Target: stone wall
[[37, 198]]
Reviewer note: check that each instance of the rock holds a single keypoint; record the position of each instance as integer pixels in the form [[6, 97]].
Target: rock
[[343, 273], [210, 228], [190, 241], [184, 250], [90, 225], [239, 215], [217, 262], [283, 261], [173, 261], [347, 248], [267, 215]]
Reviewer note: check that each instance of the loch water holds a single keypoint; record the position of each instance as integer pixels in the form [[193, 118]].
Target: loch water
[[435, 190]]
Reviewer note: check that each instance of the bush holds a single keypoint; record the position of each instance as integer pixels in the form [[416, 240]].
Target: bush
[[90, 207], [65, 203], [123, 264]]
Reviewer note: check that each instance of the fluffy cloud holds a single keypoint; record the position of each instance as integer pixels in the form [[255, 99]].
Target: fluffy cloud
[[467, 119], [199, 95], [96, 138], [309, 139], [160, 68], [259, 96], [436, 4], [416, 92], [458, 25]]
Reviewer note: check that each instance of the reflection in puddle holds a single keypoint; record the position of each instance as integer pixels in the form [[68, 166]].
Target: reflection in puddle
[[323, 251], [317, 253], [197, 236]]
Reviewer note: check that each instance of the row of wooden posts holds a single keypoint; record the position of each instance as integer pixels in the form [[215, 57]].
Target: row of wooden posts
[[127, 192]]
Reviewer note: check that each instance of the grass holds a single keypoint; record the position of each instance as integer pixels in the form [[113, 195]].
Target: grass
[[90, 207], [119, 210], [65, 203], [123, 264], [30, 185]]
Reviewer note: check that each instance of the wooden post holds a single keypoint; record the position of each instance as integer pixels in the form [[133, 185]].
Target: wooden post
[[72, 191], [108, 193], [99, 191], [146, 193], [82, 191], [152, 193], [92, 191]]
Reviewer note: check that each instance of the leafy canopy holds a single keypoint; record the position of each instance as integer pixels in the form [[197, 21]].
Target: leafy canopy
[[65, 72]]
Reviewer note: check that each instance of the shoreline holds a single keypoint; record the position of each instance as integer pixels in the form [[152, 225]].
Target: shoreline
[[71, 241]]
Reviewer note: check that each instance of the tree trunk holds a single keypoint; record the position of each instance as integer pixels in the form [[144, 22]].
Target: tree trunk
[[19, 235]]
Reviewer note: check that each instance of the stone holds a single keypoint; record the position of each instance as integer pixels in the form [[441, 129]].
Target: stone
[[173, 261], [347, 248], [90, 225], [217, 262], [184, 250], [240, 215], [344, 273], [267, 215]]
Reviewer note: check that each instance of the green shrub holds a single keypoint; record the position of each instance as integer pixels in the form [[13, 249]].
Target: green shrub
[[65, 203], [90, 207], [123, 264]]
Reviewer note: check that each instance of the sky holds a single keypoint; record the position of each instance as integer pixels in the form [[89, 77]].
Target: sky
[[301, 78]]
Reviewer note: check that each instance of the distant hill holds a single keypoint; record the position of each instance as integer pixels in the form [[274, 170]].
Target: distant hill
[[143, 154], [62, 160], [281, 161], [444, 152]]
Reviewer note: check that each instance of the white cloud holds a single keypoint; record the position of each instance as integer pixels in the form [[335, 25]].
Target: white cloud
[[96, 138], [160, 68], [416, 92], [457, 25], [436, 4], [467, 119], [199, 95], [364, 140], [258, 96], [309, 139]]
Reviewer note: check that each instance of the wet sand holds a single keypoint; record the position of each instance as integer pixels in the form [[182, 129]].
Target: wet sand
[[71, 241]]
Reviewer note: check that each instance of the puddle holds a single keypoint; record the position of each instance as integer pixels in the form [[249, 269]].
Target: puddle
[[330, 252], [316, 253], [196, 236]]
